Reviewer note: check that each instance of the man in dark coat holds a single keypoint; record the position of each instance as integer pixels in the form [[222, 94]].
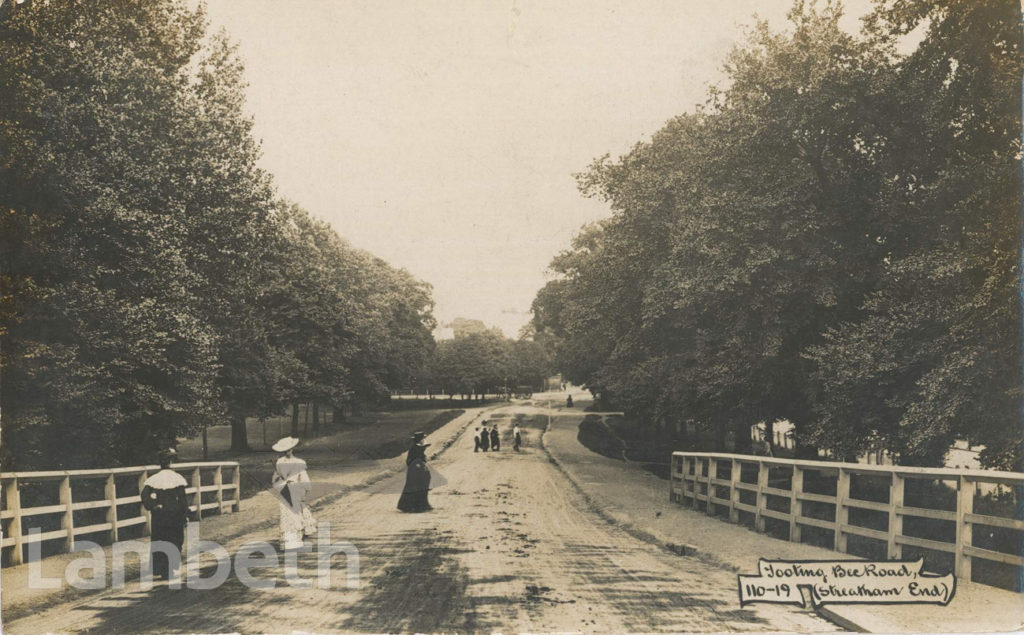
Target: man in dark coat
[[163, 494], [495, 438], [485, 439]]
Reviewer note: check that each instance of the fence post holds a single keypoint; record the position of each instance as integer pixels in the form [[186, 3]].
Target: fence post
[[236, 478], [842, 512], [683, 495], [762, 500], [147, 527], [218, 480], [796, 506], [964, 506], [13, 497], [712, 473], [197, 483], [895, 550], [67, 520], [110, 493], [734, 492]]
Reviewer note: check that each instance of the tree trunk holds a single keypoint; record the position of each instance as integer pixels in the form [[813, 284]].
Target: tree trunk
[[239, 441], [316, 418], [295, 418], [721, 430], [769, 434], [305, 421], [206, 446], [741, 436]]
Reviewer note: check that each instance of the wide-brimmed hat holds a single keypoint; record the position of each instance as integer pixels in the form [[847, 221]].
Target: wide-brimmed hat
[[167, 454], [285, 444], [418, 436]]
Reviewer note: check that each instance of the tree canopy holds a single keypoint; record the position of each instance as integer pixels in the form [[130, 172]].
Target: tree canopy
[[831, 239], [153, 282]]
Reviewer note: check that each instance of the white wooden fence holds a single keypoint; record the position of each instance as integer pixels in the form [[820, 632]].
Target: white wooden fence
[[17, 535], [697, 477]]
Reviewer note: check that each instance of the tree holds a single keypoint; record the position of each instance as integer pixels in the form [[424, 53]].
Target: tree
[[831, 240], [103, 327]]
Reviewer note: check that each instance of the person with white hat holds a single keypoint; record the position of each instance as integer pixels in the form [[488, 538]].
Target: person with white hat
[[291, 483], [163, 495]]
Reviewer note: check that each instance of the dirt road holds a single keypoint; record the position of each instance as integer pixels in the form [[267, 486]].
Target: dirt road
[[509, 547]]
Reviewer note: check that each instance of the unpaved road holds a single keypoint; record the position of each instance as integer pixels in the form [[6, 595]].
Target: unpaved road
[[510, 547]]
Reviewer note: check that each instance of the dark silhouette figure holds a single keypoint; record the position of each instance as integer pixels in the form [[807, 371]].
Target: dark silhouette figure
[[163, 494], [485, 439], [495, 439], [517, 439], [476, 439], [568, 401], [417, 480]]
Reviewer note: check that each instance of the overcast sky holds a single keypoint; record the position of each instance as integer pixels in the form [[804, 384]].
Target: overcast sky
[[443, 136]]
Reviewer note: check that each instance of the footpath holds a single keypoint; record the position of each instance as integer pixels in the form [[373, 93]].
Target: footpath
[[21, 592], [637, 501]]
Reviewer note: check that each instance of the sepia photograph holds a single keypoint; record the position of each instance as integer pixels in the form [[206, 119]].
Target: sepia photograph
[[510, 316]]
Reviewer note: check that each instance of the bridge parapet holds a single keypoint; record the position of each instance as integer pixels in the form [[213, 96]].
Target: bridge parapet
[[893, 507], [114, 492]]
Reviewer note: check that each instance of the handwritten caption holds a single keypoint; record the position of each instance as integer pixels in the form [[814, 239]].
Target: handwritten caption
[[845, 582]]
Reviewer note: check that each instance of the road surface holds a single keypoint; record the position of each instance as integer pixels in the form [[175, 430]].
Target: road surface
[[511, 546]]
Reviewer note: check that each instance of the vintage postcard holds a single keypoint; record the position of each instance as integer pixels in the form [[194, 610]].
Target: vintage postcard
[[452, 316]]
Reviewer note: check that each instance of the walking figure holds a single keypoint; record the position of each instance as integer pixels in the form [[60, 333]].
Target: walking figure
[[163, 494], [291, 482], [485, 438], [417, 478], [568, 401], [476, 439], [517, 439], [495, 439]]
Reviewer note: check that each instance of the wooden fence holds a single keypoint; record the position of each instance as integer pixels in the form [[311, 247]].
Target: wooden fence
[[716, 483], [221, 494]]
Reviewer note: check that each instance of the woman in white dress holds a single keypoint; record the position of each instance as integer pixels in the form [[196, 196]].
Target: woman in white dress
[[291, 483]]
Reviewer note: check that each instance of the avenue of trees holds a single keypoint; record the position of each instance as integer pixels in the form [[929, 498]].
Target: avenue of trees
[[833, 239], [479, 361], [153, 282]]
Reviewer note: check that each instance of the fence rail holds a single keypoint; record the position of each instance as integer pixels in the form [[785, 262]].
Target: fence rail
[[226, 496], [715, 482]]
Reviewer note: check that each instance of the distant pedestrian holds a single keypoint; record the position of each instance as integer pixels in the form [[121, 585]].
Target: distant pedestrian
[[291, 482], [163, 494], [485, 439], [476, 439], [417, 479], [517, 438], [568, 401], [495, 439]]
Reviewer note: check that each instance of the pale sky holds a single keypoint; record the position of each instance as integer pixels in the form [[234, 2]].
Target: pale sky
[[443, 136]]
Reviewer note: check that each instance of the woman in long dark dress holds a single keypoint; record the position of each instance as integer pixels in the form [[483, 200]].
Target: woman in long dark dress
[[417, 480]]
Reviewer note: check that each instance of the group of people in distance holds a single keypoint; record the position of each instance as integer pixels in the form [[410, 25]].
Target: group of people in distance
[[485, 438]]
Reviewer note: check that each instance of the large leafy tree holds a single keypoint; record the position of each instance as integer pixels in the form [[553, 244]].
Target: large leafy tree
[[937, 356], [103, 324], [152, 282], [832, 240]]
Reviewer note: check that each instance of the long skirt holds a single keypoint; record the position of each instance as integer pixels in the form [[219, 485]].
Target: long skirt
[[172, 531], [296, 519], [417, 487]]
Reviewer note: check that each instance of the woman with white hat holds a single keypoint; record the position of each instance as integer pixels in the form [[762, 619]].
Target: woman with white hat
[[291, 483]]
